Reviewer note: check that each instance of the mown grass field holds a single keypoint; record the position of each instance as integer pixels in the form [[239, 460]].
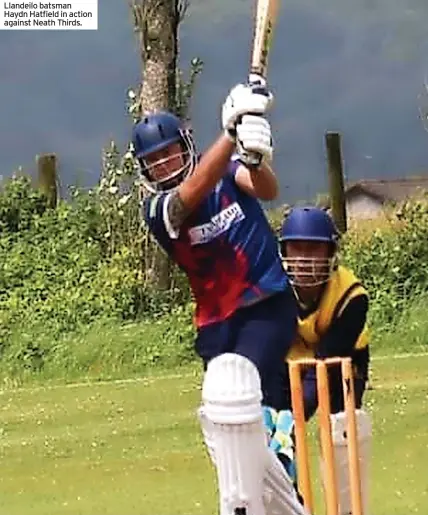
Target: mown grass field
[[134, 447]]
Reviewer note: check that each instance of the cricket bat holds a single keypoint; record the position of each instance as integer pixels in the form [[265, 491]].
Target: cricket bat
[[266, 14], [265, 19]]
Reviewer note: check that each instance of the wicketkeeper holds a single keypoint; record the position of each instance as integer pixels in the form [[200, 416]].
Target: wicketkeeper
[[332, 312]]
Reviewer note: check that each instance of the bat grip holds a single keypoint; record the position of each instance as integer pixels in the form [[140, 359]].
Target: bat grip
[[258, 83]]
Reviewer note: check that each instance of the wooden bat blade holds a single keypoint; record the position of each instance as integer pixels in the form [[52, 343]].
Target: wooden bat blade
[[265, 19]]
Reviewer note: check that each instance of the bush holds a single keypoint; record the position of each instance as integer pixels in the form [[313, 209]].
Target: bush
[[408, 333], [20, 206], [76, 294], [59, 270], [391, 261]]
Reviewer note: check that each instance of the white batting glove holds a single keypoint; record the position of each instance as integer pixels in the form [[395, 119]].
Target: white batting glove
[[254, 140], [244, 99]]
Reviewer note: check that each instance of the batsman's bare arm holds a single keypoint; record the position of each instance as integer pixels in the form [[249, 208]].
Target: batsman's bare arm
[[191, 192], [260, 182]]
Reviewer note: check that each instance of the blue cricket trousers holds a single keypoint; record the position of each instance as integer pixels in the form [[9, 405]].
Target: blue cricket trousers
[[263, 333]]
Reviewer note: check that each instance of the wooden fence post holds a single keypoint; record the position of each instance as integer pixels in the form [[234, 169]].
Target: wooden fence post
[[336, 180], [48, 177]]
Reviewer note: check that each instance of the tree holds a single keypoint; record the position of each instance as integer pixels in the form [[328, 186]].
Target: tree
[[163, 86], [156, 23]]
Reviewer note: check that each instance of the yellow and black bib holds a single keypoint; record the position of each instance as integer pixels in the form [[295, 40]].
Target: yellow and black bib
[[341, 288]]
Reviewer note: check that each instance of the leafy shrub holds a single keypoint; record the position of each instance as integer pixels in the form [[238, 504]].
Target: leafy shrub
[[76, 290], [20, 205], [391, 260], [84, 261]]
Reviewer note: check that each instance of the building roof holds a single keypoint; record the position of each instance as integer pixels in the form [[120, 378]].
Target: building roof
[[390, 190], [385, 190]]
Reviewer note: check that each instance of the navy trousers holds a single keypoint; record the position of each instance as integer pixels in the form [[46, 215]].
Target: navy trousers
[[263, 333]]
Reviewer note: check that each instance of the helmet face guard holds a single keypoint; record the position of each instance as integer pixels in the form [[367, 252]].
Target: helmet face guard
[[156, 133], [307, 272], [186, 157], [312, 232]]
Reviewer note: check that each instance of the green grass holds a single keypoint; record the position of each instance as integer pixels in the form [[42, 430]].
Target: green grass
[[108, 349], [134, 447], [409, 332]]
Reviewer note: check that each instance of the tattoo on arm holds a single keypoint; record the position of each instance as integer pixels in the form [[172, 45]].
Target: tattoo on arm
[[177, 211]]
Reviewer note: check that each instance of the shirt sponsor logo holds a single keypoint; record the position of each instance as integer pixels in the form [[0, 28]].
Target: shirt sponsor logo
[[219, 224]]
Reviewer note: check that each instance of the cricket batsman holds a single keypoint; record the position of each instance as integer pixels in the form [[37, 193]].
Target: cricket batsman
[[332, 312], [205, 214]]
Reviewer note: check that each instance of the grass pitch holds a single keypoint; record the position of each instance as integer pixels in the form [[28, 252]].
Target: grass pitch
[[134, 447]]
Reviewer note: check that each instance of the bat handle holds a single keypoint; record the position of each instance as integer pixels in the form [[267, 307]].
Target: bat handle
[[258, 82]]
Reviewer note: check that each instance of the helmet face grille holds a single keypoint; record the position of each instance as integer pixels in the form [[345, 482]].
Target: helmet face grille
[[308, 271]]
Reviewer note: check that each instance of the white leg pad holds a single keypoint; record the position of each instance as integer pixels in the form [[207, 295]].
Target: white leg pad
[[280, 496], [250, 477], [232, 417], [339, 432]]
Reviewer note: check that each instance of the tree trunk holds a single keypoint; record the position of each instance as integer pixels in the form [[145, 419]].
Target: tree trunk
[[158, 50], [156, 22]]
